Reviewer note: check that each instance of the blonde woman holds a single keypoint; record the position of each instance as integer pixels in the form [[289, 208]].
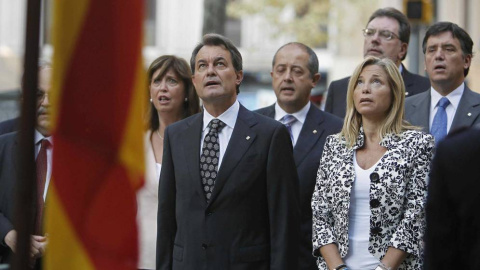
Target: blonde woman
[[368, 204]]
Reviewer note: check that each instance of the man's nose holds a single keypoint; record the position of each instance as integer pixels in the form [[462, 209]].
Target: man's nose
[[210, 69], [46, 100], [439, 54], [288, 76]]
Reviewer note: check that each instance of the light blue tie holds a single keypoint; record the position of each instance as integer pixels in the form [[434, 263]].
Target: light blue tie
[[439, 124], [288, 121]]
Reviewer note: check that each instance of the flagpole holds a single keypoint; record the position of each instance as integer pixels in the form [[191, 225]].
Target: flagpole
[[26, 184]]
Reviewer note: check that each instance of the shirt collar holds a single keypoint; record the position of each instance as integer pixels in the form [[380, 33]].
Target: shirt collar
[[400, 68], [454, 96], [229, 117], [301, 115], [39, 137]]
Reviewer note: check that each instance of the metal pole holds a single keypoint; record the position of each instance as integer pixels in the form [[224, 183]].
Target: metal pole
[[26, 184]]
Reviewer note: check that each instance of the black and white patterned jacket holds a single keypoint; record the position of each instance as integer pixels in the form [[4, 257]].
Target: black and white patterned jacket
[[398, 190]]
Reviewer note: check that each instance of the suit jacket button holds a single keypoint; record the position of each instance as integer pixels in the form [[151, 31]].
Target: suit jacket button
[[375, 230], [374, 177], [204, 246], [374, 203]]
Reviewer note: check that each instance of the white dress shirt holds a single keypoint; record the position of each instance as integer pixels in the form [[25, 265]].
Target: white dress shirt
[[229, 117], [454, 98], [301, 115], [38, 138]]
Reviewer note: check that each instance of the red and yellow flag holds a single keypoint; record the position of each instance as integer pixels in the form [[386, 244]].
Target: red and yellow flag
[[97, 95]]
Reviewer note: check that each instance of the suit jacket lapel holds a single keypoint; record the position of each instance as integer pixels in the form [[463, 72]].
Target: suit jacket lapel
[[270, 111], [467, 111], [242, 137], [191, 149], [421, 112], [407, 77], [309, 135]]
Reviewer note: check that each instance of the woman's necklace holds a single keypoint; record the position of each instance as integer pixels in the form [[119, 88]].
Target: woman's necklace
[[158, 133]]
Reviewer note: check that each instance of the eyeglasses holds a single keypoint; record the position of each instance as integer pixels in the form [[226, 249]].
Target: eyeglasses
[[384, 34], [41, 95]]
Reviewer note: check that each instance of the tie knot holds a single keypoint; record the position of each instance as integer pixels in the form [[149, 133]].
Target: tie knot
[[216, 125], [45, 143], [288, 119], [443, 102]]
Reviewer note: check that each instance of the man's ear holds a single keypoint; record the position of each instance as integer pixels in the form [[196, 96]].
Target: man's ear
[[316, 78], [239, 79]]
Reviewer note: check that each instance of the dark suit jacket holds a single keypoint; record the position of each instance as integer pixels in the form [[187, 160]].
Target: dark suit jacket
[[8, 176], [8, 126], [252, 219], [453, 219], [337, 91], [307, 153], [417, 110]]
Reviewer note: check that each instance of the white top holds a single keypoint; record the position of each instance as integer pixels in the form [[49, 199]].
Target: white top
[[454, 98], [38, 138], [301, 115], [147, 203], [229, 117], [358, 256]]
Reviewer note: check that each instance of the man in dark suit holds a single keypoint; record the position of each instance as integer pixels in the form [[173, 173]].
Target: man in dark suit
[[449, 104], [9, 173], [452, 236], [386, 35], [10, 125], [294, 74], [228, 191]]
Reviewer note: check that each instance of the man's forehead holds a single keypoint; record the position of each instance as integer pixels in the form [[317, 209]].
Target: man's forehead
[[44, 78], [384, 22], [212, 52], [294, 52], [445, 37]]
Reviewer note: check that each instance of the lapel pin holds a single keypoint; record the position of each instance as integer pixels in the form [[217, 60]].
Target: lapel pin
[[314, 131], [248, 138], [469, 114]]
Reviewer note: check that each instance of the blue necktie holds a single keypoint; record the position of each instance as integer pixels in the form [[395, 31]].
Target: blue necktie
[[439, 124], [288, 121]]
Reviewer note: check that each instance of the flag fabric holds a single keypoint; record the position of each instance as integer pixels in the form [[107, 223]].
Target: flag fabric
[[98, 91]]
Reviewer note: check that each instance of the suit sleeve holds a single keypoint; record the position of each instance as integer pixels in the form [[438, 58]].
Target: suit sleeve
[[440, 235], [410, 231], [5, 227], [329, 100], [5, 223], [283, 202], [166, 221]]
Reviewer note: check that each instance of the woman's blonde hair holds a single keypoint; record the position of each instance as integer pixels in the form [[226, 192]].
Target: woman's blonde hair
[[393, 122]]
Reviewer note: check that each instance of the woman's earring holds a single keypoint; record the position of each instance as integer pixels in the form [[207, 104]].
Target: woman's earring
[[186, 99], [151, 100]]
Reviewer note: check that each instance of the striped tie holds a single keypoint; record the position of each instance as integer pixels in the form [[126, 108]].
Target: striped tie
[[288, 121]]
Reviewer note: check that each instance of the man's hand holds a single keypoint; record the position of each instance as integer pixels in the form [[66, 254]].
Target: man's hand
[[39, 244], [11, 239]]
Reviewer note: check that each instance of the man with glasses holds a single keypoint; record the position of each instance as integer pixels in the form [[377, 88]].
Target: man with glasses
[[9, 173], [386, 35]]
